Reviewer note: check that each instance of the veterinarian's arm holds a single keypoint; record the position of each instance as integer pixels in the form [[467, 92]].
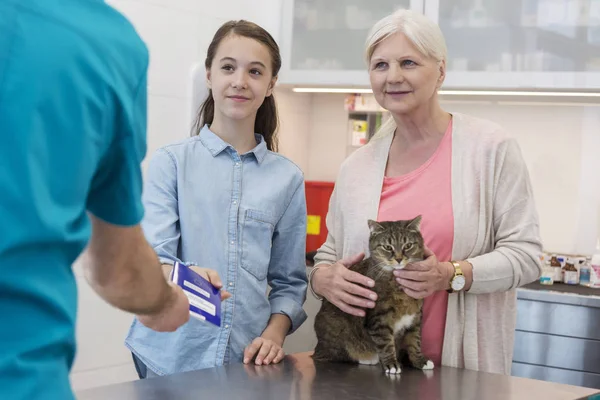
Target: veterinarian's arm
[[123, 269]]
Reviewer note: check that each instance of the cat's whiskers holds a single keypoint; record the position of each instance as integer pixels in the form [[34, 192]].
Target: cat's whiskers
[[380, 274], [374, 267], [381, 268]]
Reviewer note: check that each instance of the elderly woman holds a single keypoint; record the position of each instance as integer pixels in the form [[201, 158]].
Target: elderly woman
[[468, 180]]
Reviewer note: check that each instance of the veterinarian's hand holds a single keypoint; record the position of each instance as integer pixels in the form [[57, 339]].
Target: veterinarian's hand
[[423, 278], [265, 351], [344, 288], [174, 312]]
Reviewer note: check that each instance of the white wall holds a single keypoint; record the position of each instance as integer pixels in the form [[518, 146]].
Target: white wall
[[295, 114], [177, 33], [327, 137], [556, 142]]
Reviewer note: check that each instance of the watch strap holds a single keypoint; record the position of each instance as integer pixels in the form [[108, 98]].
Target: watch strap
[[457, 272]]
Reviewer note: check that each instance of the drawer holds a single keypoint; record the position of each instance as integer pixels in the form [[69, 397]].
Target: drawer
[[557, 351], [558, 319]]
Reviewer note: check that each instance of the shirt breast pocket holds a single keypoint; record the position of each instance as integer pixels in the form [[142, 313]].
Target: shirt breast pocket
[[257, 237]]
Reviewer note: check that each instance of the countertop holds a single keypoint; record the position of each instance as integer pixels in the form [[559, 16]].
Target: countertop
[[560, 293], [299, 378], [564, 288]]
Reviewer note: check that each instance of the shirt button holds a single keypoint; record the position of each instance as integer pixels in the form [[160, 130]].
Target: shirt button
[[226, 326], [235, 202], [237, 164], [232, 242], [230, 283]]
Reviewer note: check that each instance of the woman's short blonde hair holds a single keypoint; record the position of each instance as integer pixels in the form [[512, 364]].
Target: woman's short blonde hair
[[420, 30]]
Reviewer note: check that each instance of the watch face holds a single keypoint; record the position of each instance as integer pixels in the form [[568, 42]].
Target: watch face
[[458, 282]]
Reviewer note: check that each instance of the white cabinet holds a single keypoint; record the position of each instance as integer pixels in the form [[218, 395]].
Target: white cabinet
[[323, 41], [551, 44], [495, 44]]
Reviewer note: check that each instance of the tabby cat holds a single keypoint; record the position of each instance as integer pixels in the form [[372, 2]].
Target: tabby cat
[[391, 331]]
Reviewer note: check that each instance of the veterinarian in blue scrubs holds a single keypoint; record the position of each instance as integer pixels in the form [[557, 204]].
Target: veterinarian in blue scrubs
[[72, 136]]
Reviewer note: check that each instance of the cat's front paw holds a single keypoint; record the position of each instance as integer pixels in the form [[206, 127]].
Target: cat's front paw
[[428, 365], [392, 368], [421, 362]]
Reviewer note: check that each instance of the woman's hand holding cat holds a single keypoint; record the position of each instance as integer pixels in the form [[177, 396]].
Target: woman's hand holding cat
[[346, 289], [423, 278]]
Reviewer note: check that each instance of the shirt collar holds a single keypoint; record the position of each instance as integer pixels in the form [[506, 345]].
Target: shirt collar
[[216, 145]]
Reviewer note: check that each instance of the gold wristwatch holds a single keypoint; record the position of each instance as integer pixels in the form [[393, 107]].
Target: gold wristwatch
[[458, 281]]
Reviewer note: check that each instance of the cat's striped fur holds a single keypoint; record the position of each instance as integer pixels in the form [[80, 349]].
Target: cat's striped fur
[[391, 331]]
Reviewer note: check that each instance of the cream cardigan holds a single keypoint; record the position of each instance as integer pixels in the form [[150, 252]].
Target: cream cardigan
[[495, 229]]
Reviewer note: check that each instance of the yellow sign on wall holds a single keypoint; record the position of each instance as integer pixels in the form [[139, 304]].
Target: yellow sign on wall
[[313, 224]]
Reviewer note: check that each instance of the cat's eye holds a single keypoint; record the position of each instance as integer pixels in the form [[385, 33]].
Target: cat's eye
[[389, 248], [408, 246]]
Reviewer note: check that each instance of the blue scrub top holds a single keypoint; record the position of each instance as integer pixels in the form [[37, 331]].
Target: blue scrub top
[[72, 136]]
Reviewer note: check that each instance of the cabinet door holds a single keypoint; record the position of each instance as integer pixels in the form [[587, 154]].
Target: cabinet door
[[323, 41], [520, 43]]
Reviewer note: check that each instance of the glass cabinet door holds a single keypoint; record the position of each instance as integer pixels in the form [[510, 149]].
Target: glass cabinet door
[[520, 43], [323, 41]]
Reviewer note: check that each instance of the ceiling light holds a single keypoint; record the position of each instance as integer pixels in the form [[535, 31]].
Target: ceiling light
[[460, 92]]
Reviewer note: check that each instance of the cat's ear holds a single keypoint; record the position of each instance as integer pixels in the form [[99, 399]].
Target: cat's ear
[[415, 223], [374, 227]]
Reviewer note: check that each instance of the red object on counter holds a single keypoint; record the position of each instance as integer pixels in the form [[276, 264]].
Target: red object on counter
[[317, 204]]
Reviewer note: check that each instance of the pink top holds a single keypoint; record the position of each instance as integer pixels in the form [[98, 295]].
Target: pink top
[[427, 191]]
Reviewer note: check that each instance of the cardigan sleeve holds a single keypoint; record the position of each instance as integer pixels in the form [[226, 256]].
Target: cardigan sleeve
[[327, 253], [517, 246]]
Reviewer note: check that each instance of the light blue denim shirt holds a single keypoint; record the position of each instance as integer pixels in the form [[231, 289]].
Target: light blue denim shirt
[[242, 215]]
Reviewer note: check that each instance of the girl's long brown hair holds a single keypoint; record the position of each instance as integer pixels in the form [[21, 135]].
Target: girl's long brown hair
[[267, 121]]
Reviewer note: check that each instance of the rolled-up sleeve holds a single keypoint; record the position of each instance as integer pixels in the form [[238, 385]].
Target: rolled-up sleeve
[[161, 219], [287, 268]]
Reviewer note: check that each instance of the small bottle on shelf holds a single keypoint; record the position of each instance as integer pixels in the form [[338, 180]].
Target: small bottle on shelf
[[584, 272], [571, 275], [547, 277], [556, 268]]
